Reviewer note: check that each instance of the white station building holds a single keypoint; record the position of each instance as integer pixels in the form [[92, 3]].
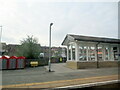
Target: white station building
[[91, 52]]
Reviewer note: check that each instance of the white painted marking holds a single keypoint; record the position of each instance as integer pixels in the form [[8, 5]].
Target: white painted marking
[[91, 84]]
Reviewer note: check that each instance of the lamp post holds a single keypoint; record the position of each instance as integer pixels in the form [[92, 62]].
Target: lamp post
[[50, 48], [0, 41], [0, 34]]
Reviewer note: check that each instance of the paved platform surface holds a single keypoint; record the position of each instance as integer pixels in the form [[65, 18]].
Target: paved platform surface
[[36, 77]]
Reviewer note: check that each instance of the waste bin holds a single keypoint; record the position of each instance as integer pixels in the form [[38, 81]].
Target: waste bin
[[4, 61], [20, 62], [12, 62]]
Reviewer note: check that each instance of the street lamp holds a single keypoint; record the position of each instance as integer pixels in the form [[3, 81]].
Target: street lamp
[[0, 34], [50, 48], [0, 41]]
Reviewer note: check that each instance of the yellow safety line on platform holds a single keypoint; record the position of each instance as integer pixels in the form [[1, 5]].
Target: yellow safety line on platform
[[52, 82]]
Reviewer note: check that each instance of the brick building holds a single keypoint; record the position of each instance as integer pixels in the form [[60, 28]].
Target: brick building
[[11, 49], [55, 51]]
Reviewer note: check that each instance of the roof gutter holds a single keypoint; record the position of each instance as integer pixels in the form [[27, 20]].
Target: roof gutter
[[117, 42]]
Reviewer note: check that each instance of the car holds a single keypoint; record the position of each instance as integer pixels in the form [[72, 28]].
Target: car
[[82, 58]]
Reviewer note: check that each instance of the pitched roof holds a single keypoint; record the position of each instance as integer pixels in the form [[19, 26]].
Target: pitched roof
[[70, 37]]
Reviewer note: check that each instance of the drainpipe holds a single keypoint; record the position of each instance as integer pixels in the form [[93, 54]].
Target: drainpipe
[[97, 54]]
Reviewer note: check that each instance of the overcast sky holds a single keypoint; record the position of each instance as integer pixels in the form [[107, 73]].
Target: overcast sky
[[22, 18]]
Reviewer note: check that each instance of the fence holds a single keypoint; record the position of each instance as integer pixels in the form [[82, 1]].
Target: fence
[[44, 61]]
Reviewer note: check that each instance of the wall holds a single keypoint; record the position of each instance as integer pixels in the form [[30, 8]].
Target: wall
[[93, 64], [44, 61], [71, 64], [109, 64]]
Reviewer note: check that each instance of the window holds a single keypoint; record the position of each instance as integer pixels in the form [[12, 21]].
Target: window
[[100, 53], [92, 53], [82, 53], [69, 52], [106, 53], [115, 53], [73, 52]]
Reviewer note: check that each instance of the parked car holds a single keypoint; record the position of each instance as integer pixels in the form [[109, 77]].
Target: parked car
[[83, 58]]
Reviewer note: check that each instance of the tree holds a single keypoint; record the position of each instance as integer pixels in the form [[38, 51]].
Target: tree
[[29, 48]]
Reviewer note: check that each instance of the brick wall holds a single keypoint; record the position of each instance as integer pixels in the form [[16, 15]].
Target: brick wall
[[109, 64], [71, 64], [93, 64], [82, 65]]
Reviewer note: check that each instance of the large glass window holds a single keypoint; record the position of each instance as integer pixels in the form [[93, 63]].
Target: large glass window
[[92, 53], [115, 53], [82, 53], [106, 53], [73, 52], [69, 52], [100, 53]]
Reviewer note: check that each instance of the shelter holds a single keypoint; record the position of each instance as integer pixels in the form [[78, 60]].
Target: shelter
[[89, 52]]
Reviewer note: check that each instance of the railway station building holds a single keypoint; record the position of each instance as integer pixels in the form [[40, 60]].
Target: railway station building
[[91, 52]]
